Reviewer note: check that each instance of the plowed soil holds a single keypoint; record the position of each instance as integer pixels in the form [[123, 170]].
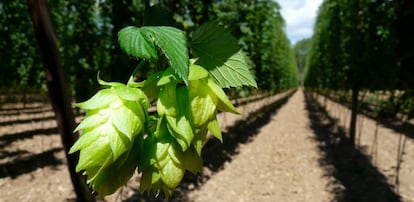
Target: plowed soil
[[280, 149]]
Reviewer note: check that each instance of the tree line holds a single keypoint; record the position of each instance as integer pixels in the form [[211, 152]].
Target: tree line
[[362, 45], [87, 39]]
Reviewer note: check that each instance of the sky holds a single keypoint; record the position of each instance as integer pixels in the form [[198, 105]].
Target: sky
[[300, 17]]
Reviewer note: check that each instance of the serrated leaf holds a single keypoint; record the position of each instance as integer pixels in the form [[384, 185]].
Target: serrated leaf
[[213, 45], [172, 42], [136, 43], [225, 64], [234, 73]]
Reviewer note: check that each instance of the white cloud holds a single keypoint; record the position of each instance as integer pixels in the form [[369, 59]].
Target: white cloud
[[300, 17]]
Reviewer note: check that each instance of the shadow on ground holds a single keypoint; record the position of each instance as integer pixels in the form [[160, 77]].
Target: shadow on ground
[[27, 120], [7, 139], [216, 154], [393, 123], [30, 163], [356, 179]]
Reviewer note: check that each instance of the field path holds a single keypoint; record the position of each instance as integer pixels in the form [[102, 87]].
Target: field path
[[281, 148], [280, 164]]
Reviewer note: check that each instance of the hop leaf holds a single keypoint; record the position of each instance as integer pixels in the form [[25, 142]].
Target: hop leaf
[[145, 42], [114, 120]]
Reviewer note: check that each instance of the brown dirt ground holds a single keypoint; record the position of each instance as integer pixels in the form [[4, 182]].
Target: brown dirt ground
[[381, 146], [278, 150]]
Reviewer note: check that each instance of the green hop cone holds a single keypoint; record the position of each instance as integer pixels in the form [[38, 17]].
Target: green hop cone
[[206, 99], [173, 105], [163, 162], [114, 122]]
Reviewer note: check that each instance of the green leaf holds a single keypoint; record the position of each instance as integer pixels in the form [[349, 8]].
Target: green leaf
[[218, 52], [136, 43], [213, 45], [172, 43], [234, 72]]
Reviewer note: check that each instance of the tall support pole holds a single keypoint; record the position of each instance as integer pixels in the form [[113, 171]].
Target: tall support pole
[[354, 116], [58, 90]]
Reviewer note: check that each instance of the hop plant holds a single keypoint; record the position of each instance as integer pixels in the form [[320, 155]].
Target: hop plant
[[119, 136]]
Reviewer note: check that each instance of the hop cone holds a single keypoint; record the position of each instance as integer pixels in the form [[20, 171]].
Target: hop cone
[[114, 122], [164, 162], [206, 99]]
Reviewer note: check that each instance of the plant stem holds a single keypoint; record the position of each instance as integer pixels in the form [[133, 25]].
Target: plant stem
[[135, 72]]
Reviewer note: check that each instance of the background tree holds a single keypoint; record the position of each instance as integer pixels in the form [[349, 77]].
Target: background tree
[[20, 65], [353, 49], [301, 50], [259, 26]]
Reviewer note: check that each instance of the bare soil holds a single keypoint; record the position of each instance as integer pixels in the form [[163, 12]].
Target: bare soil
[[279, 149]]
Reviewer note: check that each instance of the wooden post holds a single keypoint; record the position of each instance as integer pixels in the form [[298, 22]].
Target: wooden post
[[354, 116], [58, 91]]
